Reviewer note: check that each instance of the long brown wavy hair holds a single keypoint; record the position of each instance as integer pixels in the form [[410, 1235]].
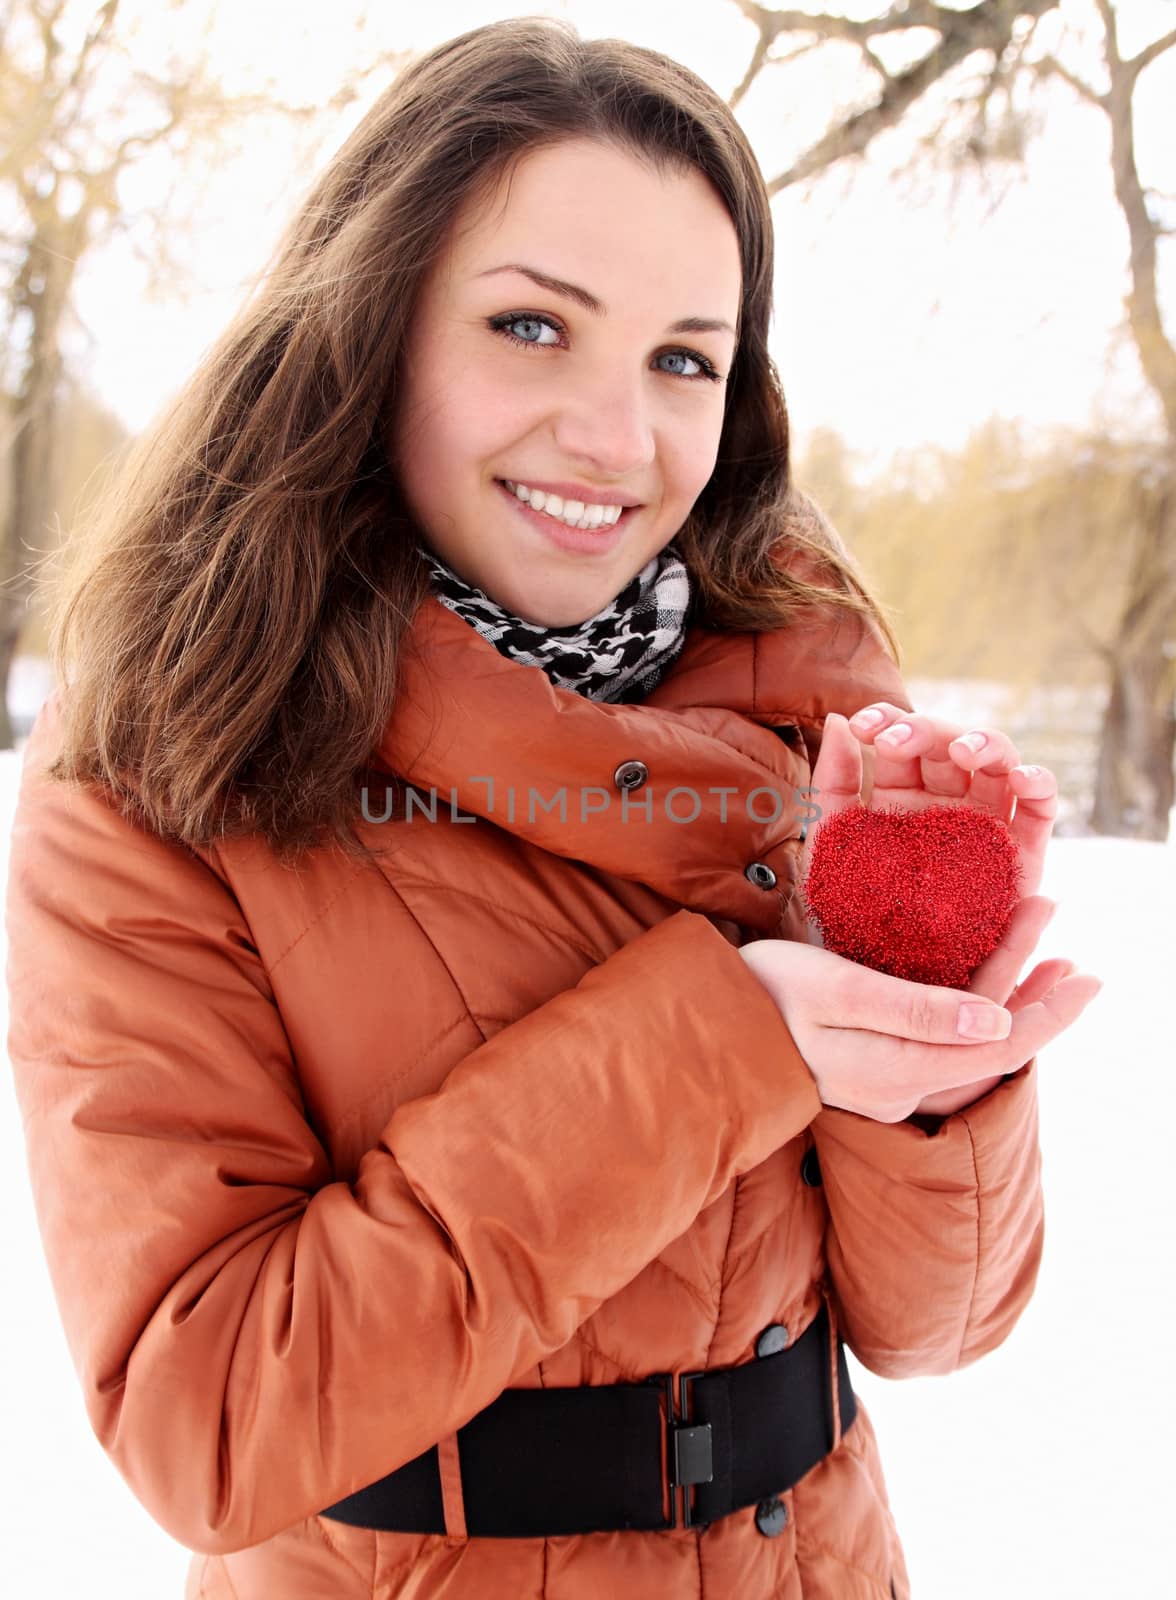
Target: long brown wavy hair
[[230, 624]]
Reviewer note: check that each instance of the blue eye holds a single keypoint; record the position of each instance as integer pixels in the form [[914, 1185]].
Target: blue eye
[[502, 325]]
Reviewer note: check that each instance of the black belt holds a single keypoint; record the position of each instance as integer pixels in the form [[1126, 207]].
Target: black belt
[[589, 1459]]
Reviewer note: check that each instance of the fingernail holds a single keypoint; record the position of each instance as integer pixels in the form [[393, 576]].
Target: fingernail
[[974, 741], [1028, 772], [899, 734], [867, 719], [983, 1022]]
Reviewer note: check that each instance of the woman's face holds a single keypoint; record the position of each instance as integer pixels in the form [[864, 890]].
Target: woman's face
[[613, 401]]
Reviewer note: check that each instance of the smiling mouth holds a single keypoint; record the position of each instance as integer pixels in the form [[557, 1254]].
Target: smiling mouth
[[600, 527]]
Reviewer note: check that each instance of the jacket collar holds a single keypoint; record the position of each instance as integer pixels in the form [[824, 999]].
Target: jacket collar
[[478, 732]]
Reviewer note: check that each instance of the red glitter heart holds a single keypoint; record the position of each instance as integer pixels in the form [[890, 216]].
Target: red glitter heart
[[923, 895]]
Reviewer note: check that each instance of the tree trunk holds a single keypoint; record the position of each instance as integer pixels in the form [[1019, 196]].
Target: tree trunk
[[1133, 792], [1134, 788], [9, 634], [42, 291], [1134, 781]]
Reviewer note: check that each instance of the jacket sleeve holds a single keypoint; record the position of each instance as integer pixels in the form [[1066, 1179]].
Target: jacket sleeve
[[934, 1241], [254, 1338]]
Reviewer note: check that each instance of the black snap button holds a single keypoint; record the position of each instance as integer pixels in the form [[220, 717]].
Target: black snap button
[[771, 1517], [761, 875], [630, 774], [810, 1168], [773, 1338]]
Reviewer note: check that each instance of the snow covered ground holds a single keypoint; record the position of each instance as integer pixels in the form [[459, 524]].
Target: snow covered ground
[[1040, 1472]]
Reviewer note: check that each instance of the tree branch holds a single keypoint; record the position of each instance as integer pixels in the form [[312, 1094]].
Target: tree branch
[[1111, 28], [101, 26], [898, 19], [758, 56], [1157, 356], [1149, 53], [1049, 67], [987, 25], [877, 65]]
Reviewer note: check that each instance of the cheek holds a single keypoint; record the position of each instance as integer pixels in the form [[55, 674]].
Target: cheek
[[452, 426], [691, 455], [476, 409], [451, 396]]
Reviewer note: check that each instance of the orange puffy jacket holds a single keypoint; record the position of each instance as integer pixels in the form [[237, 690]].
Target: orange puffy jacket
[[326, 1158]]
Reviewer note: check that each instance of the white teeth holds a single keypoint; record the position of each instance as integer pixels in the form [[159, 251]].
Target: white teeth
[[573, 512]]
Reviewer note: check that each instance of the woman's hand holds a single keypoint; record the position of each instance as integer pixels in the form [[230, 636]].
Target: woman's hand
[[882, 1046], [995, 979], [934, 766]]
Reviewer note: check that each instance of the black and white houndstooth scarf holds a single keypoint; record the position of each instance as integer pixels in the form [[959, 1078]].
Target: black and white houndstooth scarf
[[620, 654]]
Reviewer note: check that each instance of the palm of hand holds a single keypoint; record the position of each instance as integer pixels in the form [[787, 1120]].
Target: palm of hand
[[933, 766]]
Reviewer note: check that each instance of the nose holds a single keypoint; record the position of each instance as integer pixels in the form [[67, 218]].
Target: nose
[[604, 422]]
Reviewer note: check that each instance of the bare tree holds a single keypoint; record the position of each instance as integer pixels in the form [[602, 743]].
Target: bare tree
[[1135, 785], [78, 111]]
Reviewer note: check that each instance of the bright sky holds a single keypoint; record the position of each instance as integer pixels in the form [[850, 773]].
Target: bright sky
[[897, 321]]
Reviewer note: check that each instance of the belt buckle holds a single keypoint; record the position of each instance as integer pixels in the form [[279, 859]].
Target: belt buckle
[[688, 1446]]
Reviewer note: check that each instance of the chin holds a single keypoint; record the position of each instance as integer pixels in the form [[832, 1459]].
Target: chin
[[558, 621], [556, 614]]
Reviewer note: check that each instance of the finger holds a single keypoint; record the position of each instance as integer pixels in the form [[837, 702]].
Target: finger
[[997, 974], [1045, 976], [837, 781], [868, 1001], [869, 722], [898, 740], [988, 756], [1035, 1025], [918, 1072], [936, 760], [1036, 789], [926, 753], [839, 762]]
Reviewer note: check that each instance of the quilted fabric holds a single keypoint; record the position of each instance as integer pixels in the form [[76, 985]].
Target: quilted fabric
[[324, 1159]]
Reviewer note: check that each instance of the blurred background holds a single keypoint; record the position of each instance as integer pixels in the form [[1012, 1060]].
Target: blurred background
[[974, 207]]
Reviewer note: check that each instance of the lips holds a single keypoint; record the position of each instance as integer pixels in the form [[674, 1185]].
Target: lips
[[590, 541], [601, 527], [570, 491]]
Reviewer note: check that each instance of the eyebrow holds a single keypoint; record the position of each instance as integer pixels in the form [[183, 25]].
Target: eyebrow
[[585, 298]]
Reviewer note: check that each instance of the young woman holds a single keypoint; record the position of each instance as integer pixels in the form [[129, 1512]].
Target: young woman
[[460, 1170]]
